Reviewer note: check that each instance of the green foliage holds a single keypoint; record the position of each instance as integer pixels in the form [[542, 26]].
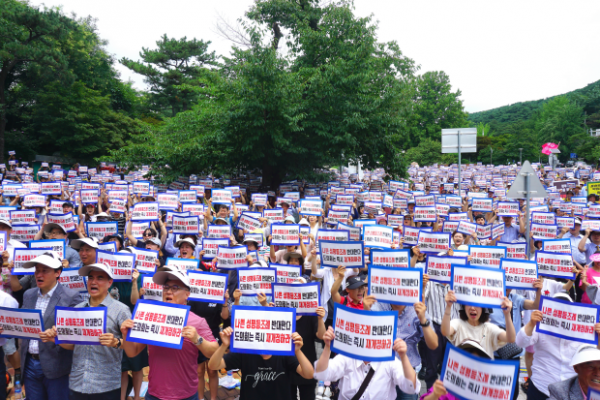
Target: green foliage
[[337, 97], [435, 107], [483, 129], [59, 92], [428, 152], [173, 64]]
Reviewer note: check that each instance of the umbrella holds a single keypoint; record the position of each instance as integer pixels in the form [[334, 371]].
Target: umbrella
[[548, 147]]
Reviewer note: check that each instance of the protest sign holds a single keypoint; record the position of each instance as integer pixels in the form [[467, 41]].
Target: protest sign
[[565, 222], [311, 207], [51, 188], [23, 217], [470, 377], [433, 242], [252, 281], [486, 256], [566, 320], [121, 264], [520, 274], [117, 195], [71, 279], [364, 335], [221, 196], [183, 264], [141, 187], [482, 205], [305, 298], [145, 260], [359, 223], [344, 199], [395, 220], [11, 190], [515, 250], [99, 230], [23, 255], [24, 233], [145, 212], [334, 217], [187, 196], [274, 215], [378, 236], [332, 235], [256, 237], [138, 229], [108, 246], [64, 220], [193, 209], [167, 201], [425, 201], [152, 291], [211, 246], [450, 226], [334, 253], [543, 232], [218, 232], [507, 209], [285, 235], [484, 231], [557, 246], [467, 228], [21, 323], [118, 206], [354, 232], [391, 258], [411, 235], [593, 224], [56, 206], [207, 287], [232, 257], [34, 200], [396, 286], [263, 330], [57, 245], [286, 273], [259, 199], [442, 209], [158, 324], [556, 265], [89, 196], [593, 394], [186, 225], [425, 214], [543, 218], [458, 216], [80, 325], [439, 268], [248, 223], [477, 286]]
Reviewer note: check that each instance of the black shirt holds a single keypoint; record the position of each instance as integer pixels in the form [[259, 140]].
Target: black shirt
[[307, 327], [263, 379], [211, 312]]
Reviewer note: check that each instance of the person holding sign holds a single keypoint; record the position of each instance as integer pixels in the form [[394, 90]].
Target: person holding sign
[[46, 368], [266, 376], [11, 244], [58, 232], [96, 371], [552, 357], [367, 381], [473, 324], [277, 257], [173, 372], [586, 363], [587, 247], [356, 291]]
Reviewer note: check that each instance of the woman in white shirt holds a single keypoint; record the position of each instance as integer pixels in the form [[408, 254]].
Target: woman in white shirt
[[473, 325]]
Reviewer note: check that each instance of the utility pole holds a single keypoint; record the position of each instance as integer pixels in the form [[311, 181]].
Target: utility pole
[[520, 155], [491, 154]]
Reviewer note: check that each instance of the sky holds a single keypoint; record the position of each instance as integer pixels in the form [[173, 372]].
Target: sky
[[496, 52]]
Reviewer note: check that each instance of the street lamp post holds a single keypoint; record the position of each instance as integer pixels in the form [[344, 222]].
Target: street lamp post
[[491, 153], [520, 155]]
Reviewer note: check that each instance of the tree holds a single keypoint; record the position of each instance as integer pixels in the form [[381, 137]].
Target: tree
[[30, 38], [173, 64], [434, 108], [483, 129], [336, 97]]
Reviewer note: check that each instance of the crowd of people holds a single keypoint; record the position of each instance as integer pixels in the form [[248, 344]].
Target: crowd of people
[[557, 368]]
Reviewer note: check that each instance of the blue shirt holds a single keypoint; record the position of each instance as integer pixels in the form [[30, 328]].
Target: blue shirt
[[497, 317], [72, 256], [511, 233]]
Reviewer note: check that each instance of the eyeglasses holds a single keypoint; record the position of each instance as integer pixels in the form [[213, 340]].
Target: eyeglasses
[[147, 235], [173, 289]]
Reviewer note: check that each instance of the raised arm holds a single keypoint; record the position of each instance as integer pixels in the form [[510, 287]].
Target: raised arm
[[447, 330], [335, 288]]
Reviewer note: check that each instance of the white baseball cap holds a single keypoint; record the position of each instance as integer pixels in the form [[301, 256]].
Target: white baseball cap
[[289, 218], [585, 353], [161, 277], [77, 243], [51, 226], [49, 259], [186, 240], [6, 222], [85, 270]]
